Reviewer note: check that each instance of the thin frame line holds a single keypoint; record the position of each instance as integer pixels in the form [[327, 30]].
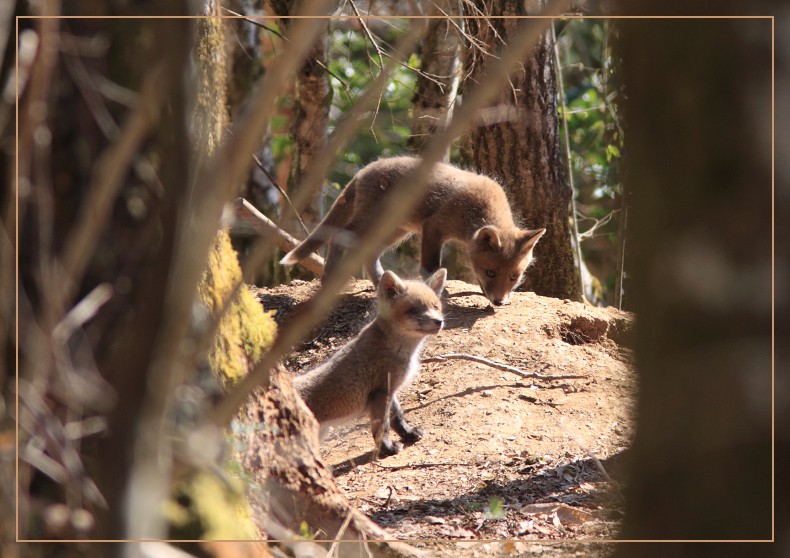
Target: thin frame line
[[16, 275], [773, 310], [569, 16], [773, 286]]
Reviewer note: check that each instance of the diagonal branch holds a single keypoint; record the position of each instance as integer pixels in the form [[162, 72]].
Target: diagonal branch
[[283, 193], [107, 180]]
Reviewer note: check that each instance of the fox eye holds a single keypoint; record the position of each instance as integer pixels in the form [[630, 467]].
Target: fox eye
[[490, 273], [413, 311], [513, 276]]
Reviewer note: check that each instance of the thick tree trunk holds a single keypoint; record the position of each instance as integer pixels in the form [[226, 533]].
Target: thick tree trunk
[[699, 160], [311, 122], [132, 252], [518, 143]]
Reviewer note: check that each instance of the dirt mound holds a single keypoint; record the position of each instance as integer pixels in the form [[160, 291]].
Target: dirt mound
[[504, 456]]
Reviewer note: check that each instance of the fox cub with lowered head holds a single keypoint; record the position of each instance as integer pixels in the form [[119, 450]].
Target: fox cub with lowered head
[[366, 374], [456, 205]]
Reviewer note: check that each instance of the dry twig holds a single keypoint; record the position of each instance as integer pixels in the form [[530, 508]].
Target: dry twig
[[283, 193], [503, 367], [247, 213]]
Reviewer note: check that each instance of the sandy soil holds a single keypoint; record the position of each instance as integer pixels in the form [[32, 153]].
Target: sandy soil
[[503, 457]]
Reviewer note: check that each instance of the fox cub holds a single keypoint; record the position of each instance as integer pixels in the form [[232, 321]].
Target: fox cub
[[456, 205], [366, 374]]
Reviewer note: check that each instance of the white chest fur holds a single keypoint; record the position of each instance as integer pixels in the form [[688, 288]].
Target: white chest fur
[[413, 368]]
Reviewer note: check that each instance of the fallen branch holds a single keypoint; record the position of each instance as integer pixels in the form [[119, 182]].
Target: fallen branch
[[421, 465], [247, 213], [503, 367]]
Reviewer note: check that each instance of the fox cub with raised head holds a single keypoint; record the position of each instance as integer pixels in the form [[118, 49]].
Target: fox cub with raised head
[[366, 374], [456, 205]]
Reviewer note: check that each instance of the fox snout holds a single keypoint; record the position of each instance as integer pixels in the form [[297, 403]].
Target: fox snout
[[496, 291], [497, 299], [434, 325], [429, 323]]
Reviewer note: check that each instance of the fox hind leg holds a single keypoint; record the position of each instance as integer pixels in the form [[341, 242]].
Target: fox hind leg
[[334, 254]]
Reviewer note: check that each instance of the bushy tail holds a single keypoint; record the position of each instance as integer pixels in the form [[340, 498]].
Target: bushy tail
[[338, 215]]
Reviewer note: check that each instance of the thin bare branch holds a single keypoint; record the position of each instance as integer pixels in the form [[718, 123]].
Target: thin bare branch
[[110, 171], [248, 214], [368, 34], [503, 367], [276, 184], [599, 223], [274, 31], [381, 53]]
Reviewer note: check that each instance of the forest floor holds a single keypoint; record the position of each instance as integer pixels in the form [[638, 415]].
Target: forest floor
[[503, 457]]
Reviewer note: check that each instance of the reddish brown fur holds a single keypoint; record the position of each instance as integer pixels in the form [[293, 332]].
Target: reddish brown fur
[[367, 372], [457, 205]]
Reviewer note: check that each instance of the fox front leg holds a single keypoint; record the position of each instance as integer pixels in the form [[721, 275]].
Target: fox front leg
[[379, 406], [409, 434]]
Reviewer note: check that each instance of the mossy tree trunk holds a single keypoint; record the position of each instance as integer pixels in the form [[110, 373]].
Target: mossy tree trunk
[[699, 161], [521, 147]]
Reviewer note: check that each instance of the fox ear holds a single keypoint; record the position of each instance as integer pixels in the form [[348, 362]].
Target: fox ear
[[487, 238], [436, 281], [390, 285], [528, 238]]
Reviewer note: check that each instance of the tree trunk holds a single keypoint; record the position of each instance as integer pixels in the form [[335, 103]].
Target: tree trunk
[[132, 253], [312, 99], [699, 160], [434, 96], [518, 143]]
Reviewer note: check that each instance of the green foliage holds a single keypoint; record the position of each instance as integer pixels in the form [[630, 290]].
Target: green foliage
[[304, 532], [595, 134], [592, 95], [355, 61], [495, 509], [246, 330]]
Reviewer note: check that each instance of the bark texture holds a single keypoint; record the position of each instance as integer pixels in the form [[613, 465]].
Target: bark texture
[[435, 93], [247, 44], [699, 166], [517, 141], [312, 99]]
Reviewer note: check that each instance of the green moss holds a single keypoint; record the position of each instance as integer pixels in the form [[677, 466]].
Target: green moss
[[206, 507], [246, 330], [211, 112]]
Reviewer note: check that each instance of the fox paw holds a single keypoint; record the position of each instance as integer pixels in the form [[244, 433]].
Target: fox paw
[[388, 448], [413, 435]]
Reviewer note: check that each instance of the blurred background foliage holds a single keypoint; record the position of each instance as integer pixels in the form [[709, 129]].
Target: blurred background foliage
[[596, 137]]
